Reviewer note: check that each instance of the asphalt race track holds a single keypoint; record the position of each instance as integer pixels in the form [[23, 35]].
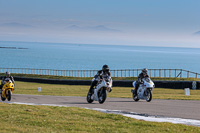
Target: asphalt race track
[[187, 109]]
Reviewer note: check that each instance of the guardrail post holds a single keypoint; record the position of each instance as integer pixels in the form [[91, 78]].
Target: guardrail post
[[87, 73], [170, 73], [121, 73], [154, 72], [159, 72], [165, 73], [117, 72], [175, 73], [125, 73], [150, 72], [181, 73]]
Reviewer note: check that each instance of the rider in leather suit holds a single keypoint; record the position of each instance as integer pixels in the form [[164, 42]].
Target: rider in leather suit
[[3, 79], [101, 73], [142, 75]]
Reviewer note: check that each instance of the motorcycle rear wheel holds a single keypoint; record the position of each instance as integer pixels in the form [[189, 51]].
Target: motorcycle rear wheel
[[9, 95], [149, 96], [135, 98], [102, 96], [89, 100]]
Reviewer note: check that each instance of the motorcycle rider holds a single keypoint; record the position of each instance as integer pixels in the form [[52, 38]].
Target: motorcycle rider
[[142, 75], [4, 78], [101, 73]]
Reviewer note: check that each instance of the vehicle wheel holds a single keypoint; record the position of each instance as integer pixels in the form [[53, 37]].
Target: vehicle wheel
[[2, 98], [9, 95], [149, 96], [135, 98], [102, 96], [89, 100]]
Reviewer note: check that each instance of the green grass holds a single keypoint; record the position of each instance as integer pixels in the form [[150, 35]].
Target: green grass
[[26, 118], [122, 92], [89, 78]]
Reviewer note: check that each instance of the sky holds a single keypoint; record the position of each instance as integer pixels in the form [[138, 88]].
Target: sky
[[168, 23]]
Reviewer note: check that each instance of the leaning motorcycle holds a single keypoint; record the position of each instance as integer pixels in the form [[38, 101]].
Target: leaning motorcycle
[[7, 90], [144, 90], [100, 91]]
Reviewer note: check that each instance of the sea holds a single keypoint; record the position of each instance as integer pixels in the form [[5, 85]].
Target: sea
[[66, 56]]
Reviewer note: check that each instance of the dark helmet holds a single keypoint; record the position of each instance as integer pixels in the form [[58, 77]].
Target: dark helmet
[[7, 74], [105, 68], [144, 71]]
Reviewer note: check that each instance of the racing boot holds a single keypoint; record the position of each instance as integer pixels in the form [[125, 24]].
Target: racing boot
[[136, 88], [91, 91]]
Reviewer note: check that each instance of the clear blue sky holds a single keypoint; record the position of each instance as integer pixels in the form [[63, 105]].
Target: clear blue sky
[[121, 22]]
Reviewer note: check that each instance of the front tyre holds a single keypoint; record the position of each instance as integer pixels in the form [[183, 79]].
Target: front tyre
[[102, 95], [9, 95], [2, 98], [89, 99], [149, 96]]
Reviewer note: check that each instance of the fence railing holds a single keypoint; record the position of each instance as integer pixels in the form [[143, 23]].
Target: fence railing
[[115, 73]]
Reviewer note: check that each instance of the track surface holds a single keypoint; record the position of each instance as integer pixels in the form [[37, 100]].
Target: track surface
[[168, 108]]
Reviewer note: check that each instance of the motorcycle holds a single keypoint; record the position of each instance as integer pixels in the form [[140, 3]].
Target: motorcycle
[[7, 90], [144, 90], [100, 91]]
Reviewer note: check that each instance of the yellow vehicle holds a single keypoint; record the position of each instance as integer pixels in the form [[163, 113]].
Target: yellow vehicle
[[7, 89]]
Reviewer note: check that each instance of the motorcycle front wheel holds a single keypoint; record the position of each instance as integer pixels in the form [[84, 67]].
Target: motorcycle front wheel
[[102, 95], [149, 96], [89, 100], [9, 95], [2, 98]]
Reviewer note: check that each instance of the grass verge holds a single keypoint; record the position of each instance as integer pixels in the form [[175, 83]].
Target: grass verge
[[122, 92], [26, 118]]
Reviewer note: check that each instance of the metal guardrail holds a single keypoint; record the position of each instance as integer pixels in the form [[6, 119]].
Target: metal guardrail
[[172, 73]]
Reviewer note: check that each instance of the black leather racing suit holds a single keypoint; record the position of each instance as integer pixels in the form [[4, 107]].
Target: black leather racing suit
[[139, 81], [100, 74]]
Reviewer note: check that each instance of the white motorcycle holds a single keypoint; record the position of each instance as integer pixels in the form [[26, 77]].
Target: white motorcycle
[[144, 90], [100, 91]]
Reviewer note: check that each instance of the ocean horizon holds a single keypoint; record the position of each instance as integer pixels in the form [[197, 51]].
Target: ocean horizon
[[69, 56]]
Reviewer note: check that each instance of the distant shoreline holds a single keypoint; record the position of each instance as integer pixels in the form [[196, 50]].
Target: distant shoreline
[[13, 48]]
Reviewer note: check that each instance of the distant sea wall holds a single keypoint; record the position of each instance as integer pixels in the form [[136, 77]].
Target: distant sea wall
[[116, 83]]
